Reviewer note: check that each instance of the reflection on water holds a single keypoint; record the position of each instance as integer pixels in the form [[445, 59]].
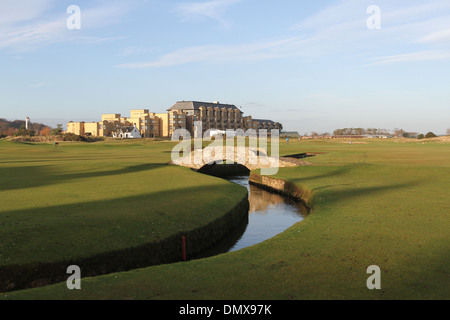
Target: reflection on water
[[270, 214]]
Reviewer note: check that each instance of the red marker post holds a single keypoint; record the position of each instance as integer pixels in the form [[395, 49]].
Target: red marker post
[[183, 246]]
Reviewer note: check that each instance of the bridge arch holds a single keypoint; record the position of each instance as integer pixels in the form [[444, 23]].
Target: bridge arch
[[223, 169]]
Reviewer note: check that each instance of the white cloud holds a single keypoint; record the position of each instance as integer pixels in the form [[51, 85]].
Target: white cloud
[[411, 57], [337, 29], [214, 9], [131, 51], [441, 36], [31, 35], [403, 22], [214, 53], [22, 10], [36, 26], [39, 85], [338, 14], [109, 13]]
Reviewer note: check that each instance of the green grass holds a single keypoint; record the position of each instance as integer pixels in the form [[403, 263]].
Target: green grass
[[390, 210], [83, 200]]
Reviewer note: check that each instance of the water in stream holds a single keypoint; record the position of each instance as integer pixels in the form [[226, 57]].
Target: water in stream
[[269, 215]]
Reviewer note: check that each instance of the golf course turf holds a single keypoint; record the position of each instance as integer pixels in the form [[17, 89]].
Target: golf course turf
[[106, 207], [374, 202]]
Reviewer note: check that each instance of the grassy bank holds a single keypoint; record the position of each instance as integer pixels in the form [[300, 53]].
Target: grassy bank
[[374, 203], [105, 206]]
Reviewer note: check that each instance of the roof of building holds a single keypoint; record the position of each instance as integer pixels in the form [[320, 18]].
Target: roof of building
[[266, 121], [124, 129], [195, 105]]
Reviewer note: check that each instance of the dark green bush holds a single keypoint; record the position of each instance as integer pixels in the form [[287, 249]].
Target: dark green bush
[[73, 137], [25, 133], [94, 139]]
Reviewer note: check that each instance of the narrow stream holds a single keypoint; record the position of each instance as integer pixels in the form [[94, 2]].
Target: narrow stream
[[269, 215]]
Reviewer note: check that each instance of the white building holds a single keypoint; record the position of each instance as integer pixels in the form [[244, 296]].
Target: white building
[[127, 133]]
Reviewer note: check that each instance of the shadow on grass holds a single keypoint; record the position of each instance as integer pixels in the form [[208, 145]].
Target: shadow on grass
[[333, 185], [36, 176], [69, 158], [337, 172], [432, 282], [328, 194], [86, 235]]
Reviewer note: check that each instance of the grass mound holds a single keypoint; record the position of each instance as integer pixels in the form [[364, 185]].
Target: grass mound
[[105, 207]]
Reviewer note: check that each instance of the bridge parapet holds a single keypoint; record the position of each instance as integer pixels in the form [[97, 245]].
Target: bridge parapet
[[252, 158]]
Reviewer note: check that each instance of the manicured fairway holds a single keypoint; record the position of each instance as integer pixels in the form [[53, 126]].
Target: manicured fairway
[[82, 200], [381, 203]]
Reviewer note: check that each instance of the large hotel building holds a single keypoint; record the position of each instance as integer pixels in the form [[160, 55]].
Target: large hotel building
[[182, 115]]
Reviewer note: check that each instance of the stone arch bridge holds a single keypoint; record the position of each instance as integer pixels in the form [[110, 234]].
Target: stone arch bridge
[[251, 158]]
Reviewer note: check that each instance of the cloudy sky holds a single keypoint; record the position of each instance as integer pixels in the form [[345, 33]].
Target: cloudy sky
[[312, 65]]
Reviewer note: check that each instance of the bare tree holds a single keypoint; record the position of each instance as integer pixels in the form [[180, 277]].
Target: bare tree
[[448, 132], [399, 133]]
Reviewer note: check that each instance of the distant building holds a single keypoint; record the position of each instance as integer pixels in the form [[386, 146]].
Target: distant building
[[290, 134], [76, 128], [217, 116], [347, 137], [268, 125], [182, 115], [212, 115], [376, 136], [127, 133], [148, 124]]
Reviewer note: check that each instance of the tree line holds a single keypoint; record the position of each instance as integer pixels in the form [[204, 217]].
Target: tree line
[[18, 128], [398, 133], [360, 132]]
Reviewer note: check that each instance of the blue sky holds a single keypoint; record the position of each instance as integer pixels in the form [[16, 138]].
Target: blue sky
[[312, 65]]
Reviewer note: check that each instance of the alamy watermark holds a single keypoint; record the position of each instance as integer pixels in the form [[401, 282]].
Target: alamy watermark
[[374, 20], [73, 22], [74, 281], [374, 281]]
